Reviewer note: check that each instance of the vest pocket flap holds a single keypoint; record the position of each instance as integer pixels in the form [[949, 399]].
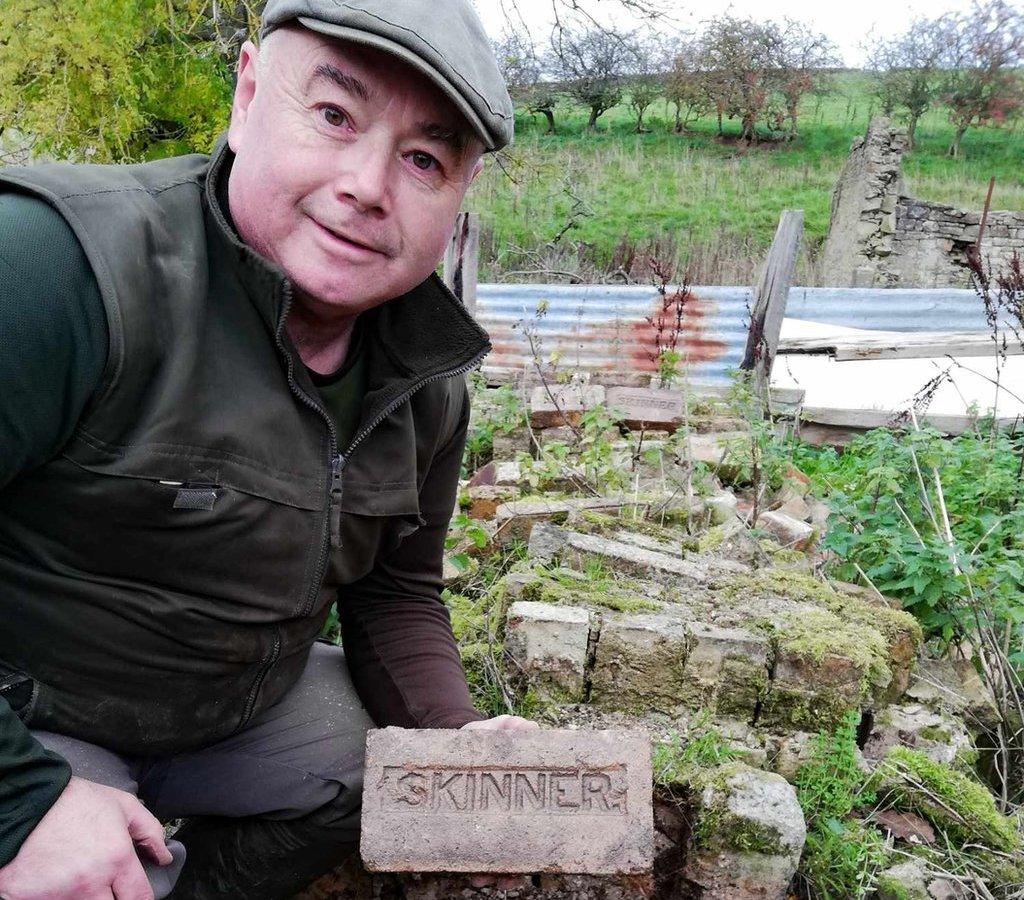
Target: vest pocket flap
[[366, 498], [195, 471]]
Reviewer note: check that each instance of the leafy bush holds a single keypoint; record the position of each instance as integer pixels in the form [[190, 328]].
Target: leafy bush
[[114, 80], [888, 521], [841, 856]]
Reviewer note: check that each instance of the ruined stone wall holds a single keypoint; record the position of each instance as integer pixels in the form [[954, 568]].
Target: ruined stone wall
[[879, 237]]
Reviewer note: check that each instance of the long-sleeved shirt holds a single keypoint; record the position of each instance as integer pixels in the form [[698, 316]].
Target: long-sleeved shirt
[[53, 348]]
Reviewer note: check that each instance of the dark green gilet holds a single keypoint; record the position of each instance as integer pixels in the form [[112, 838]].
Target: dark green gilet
[[162, 579]]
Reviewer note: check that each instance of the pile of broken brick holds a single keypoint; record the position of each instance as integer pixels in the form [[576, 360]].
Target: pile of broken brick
[[659, 607]]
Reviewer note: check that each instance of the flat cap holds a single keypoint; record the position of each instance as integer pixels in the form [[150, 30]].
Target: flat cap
[[444, 39]]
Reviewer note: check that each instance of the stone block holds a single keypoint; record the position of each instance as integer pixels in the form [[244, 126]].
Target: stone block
[[710, 448], [563, 404], [811, 691], [727, 670], [787, 530], [516, 520], [651, 408], [640, 663], [485, 499], [506, 446], [939, 736], [632, 560], [507, 801], [748, 835], [954, 686], [723, 507], [547, 647], [561, 434], [507, 474]]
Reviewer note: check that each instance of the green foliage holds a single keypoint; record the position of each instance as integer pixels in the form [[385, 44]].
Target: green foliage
[[112, 80], [463, 529], [884, 521], [589, 458], [840, 857], [501, 412], [677, 758]]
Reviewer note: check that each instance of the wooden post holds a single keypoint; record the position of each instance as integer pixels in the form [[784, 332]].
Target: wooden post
[[462, 259], [769, 302]]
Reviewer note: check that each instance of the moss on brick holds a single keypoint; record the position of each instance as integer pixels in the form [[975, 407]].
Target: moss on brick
[[954, 803]]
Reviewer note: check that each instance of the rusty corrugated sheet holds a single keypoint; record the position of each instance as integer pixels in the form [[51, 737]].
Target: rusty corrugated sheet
[[610, 329]]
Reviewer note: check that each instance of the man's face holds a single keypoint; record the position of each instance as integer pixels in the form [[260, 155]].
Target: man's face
[[350, 168]]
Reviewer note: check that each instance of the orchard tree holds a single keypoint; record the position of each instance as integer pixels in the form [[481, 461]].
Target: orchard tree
[[984, 47], [647, 76], [803, 57], [117, 80], [740, 64], [522, 69], [908, 71], [684, 86], [592, 62]]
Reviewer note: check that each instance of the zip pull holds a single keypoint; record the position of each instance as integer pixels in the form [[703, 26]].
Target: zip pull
[[337, 466]]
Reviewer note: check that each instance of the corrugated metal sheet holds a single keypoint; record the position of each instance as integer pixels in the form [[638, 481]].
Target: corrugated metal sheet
[[611, 329]]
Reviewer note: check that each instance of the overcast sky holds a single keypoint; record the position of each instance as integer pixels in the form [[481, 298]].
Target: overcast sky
[[847, 22]]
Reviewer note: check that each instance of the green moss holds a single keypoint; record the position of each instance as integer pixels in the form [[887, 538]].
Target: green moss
[[890, 887], [819, 633], [717, 826], [563, 587], [951, 801], [935, 733]]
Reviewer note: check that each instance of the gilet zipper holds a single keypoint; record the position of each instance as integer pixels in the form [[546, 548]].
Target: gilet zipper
[[336, 466]]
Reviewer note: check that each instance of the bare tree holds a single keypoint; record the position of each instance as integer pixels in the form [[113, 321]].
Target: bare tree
[[804, 55], [647, 75], [740, 65], [522, 68], [984, 47], [907, 71], [684, 86], [592, 63]]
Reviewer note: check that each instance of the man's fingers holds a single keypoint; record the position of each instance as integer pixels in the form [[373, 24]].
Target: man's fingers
[[146, 831], [132, 883]]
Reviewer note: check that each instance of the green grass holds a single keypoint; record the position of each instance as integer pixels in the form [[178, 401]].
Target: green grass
[[704, 203]]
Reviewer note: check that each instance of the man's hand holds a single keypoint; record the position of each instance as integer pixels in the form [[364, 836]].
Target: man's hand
[[84, 849], [502, 723]]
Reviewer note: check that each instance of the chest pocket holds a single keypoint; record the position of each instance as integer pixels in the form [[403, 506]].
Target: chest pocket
[[375, 518]]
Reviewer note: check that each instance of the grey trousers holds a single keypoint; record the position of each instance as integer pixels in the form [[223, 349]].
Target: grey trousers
[[301, 757]]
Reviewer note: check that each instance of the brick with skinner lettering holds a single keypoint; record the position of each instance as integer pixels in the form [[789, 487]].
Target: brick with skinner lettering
[[507, 801], [655, 408]]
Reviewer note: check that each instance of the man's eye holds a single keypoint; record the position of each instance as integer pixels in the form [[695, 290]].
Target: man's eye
[[422, 160], [334, 116]]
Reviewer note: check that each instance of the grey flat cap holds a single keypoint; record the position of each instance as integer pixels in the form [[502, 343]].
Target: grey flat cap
[[444, 39]]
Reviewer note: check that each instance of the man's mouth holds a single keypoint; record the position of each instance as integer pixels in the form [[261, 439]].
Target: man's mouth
[[351, 241]]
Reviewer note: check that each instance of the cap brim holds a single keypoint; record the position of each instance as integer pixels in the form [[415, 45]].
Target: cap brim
[[357, 36]]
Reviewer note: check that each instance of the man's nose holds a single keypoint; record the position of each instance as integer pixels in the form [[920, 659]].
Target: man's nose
[[365, 177]]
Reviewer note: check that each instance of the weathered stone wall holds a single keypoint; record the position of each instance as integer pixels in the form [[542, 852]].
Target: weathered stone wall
[[880, 237]]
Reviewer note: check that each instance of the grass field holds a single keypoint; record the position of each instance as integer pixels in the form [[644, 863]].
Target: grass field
[[704, 204]]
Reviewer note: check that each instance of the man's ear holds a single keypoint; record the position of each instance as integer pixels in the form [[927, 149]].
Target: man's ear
[[477, 167], [245, 90]]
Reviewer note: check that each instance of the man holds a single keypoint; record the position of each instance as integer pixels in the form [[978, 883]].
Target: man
[[232, 394]]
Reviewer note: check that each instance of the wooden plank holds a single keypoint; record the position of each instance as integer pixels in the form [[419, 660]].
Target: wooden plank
[[899, 345], [770, 296], [881, 418], [462, 259]]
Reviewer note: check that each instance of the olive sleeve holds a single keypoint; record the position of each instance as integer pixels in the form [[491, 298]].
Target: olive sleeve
[[53, 347]]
